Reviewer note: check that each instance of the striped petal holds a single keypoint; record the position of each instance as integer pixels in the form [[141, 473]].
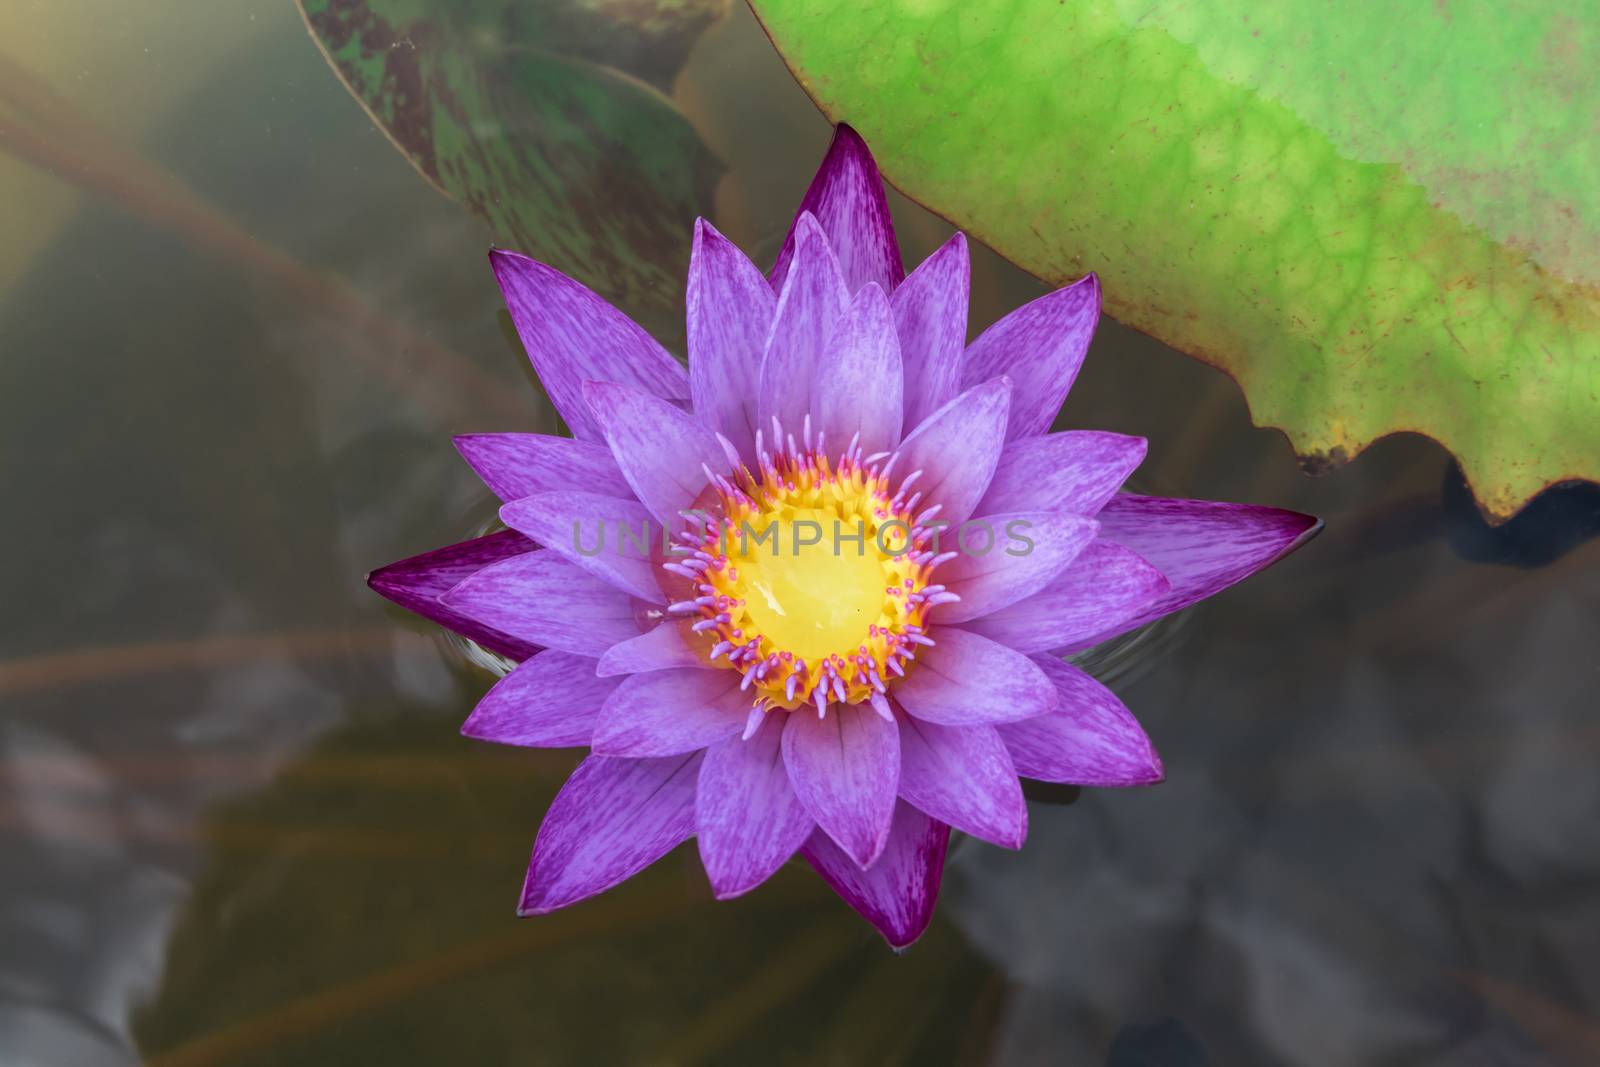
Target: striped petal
[[930, 316], [848, 200], [663, 452], [810, 305], [729, 313], [956, 449], [1201, 546], [573, 336], [607, 536], [515, 465], [418, 583], [1092, 599], [967, 680], [962, 775], [665, 713], [1090, 739], [1076, 471], [748, 819], [858, 383], [1040, 347], [1008, 557], [542, 599], [611, 820], [551, 701], [844, 768], [670, 644], [896, 894]]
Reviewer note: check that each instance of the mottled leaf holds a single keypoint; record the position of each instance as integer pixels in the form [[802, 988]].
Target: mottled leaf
[[542, 119]]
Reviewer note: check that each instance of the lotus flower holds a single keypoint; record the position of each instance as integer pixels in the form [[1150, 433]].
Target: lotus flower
[[850, 706]]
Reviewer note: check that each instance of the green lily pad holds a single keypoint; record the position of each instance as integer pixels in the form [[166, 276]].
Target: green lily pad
[[545, 120], [1377, 219]]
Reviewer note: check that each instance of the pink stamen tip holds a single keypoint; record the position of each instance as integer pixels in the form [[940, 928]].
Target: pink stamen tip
[[881, 706], [753, 723]]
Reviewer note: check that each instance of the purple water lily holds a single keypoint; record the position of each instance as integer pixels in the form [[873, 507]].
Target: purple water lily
[[850, 702]]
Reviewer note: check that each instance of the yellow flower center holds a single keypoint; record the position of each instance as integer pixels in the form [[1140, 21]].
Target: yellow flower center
[[813, 593], [811, 579]]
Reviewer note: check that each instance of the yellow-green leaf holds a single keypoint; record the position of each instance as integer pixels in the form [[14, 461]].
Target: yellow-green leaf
[[1377, 218]]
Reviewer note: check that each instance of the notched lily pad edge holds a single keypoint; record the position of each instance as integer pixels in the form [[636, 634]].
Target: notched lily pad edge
[[1314, 463]]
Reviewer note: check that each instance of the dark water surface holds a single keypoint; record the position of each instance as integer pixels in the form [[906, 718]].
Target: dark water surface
[[238, 824]]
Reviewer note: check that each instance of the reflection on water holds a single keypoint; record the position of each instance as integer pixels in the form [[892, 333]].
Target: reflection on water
[[240, 827]]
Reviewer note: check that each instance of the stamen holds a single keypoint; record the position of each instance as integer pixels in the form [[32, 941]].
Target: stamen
[[830, 627]]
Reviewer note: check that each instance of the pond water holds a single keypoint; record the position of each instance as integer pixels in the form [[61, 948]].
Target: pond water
[[239, 826]]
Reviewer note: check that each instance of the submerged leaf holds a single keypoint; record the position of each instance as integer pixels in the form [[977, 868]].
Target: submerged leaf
[[1376, 221], [542, 120]]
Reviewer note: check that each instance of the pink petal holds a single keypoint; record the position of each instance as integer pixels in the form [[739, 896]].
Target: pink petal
[[858, 382], [956, 448], [1090, 739], [572, 336], [930, 315], [416, 584], [747, 817], [729, 313], [1202, 546], [848, 200], [515, 465], [1092, 599], [896, 894], [968, 680], [810, 305], [664, 713], [612, 819], [607, 536], [844, 768], [1025, 550], [963, 776], [669, 644], [663, 452], [1076, 471], [542, 599], [1040, 346], [551, 701]]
